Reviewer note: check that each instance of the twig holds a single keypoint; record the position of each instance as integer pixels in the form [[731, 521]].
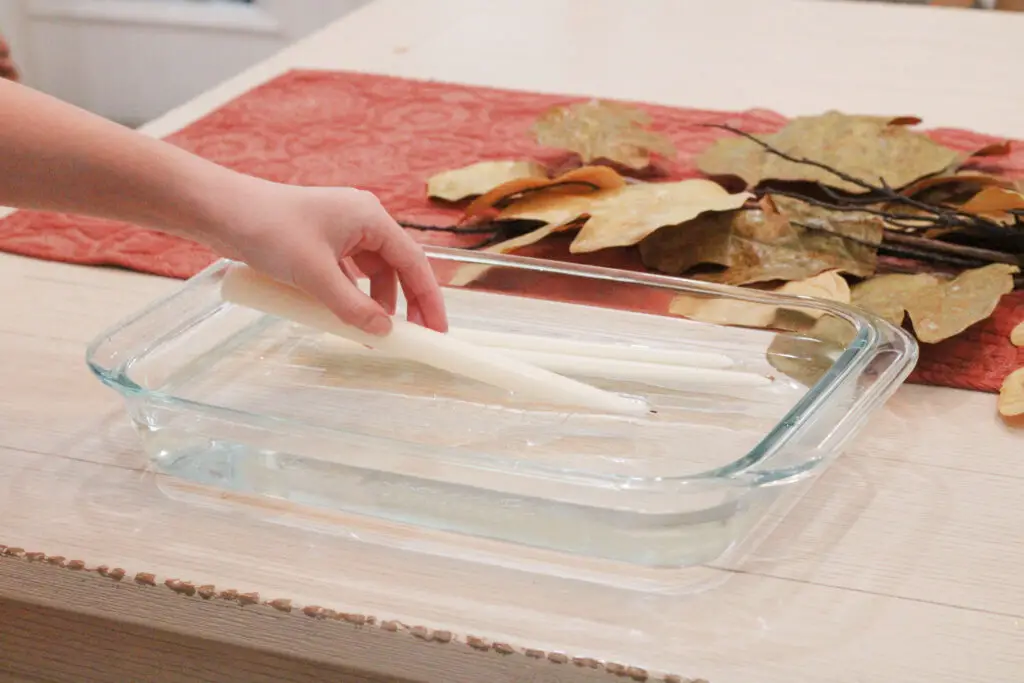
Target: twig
[[930, 256], [889, 216], [939, 216], [481, 229], [938, 246]]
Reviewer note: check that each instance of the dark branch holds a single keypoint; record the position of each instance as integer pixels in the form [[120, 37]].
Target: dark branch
[[936, 216]]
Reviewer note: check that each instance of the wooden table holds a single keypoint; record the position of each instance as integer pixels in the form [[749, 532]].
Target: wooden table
[[903, 563]]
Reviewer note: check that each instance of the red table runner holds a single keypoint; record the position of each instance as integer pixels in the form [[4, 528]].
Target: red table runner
[[388, 135]]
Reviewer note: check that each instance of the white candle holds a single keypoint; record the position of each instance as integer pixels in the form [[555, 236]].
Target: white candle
[[636, 371], [644, 354], [531, 342], [658, 374], [243, 286]]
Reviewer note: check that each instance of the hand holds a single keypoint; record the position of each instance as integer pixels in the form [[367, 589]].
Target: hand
[[8, 69], [319, 240]]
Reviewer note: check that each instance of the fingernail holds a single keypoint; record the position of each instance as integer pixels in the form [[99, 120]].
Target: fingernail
[[379, 325]]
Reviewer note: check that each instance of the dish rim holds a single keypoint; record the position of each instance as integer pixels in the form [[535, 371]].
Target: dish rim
[[873, 336]]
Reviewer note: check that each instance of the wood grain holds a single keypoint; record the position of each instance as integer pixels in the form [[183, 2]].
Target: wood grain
[[901, 563], [44, 644]]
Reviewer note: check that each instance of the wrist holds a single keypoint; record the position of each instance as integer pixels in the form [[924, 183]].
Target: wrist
[[211, 205]]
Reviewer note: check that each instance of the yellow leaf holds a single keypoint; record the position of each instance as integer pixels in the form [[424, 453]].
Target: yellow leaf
[[950, 308], [1017, 335], [598, 130], [830, 286], [889, 296], [871, 149], [623, 217], [1011, 394], [478, 178], [938, 309]]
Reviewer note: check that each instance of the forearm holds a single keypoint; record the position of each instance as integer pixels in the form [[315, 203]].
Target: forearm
[[56, 157]]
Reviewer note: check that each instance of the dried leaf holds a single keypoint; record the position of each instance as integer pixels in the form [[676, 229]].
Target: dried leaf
[[1011, 394], [889, 296], [1017, 335], [950, 308], [938, 309], [829, 285], [760, 245], [870, 148], [624, 216], [578, 181], [957, 182], [551, 209], [905, 121], [995, 149], [995, 203], [470, 272], [478, 178], [598, 130]]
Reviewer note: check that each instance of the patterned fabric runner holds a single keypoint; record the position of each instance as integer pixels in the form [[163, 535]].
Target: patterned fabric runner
[[388, 135]]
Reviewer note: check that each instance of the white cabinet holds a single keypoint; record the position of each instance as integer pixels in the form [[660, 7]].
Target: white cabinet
[[132, 60]]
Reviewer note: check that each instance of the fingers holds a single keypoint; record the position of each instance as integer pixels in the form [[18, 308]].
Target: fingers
[[422, 293], [324, 279], [383, 280], [413, 314], [349, 269]]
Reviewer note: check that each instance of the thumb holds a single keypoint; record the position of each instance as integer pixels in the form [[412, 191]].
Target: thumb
[[324, 279]]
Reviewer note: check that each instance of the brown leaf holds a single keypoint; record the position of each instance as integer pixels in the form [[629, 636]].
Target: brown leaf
[[1011, 394], [995, 149], [938, 309], [905, 121], [829, 285], [478, 178], [551, 209], [869, 148], [889, 296], [470, 272], [598, 130], [995, 203], [961, 181], [1017, 334], [578, 181], [760, 245], [950, 308], [624, 216]]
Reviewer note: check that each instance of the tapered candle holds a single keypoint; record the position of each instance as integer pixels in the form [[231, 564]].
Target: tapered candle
[[602, 367], [243, 286], [540, 343]]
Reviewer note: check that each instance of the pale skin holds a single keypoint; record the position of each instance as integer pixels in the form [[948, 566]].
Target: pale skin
[[56, 157]]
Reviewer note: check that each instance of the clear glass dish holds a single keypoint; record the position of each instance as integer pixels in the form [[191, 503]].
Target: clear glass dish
[[252, 407]]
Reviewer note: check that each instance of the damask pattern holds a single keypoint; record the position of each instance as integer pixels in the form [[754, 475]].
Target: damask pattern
[[388, 135]]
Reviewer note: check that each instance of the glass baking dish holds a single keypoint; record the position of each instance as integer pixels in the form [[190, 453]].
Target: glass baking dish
[[245, 405]]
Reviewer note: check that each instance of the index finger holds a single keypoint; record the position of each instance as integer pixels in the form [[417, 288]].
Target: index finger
[[419, 283]]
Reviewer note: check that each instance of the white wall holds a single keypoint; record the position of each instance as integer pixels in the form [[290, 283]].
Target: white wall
[[132, 60]]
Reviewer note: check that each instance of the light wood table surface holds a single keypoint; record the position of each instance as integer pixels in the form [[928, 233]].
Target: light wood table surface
[[903, 563]]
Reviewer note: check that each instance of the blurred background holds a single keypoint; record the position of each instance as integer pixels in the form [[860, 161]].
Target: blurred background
[[132, 60]]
